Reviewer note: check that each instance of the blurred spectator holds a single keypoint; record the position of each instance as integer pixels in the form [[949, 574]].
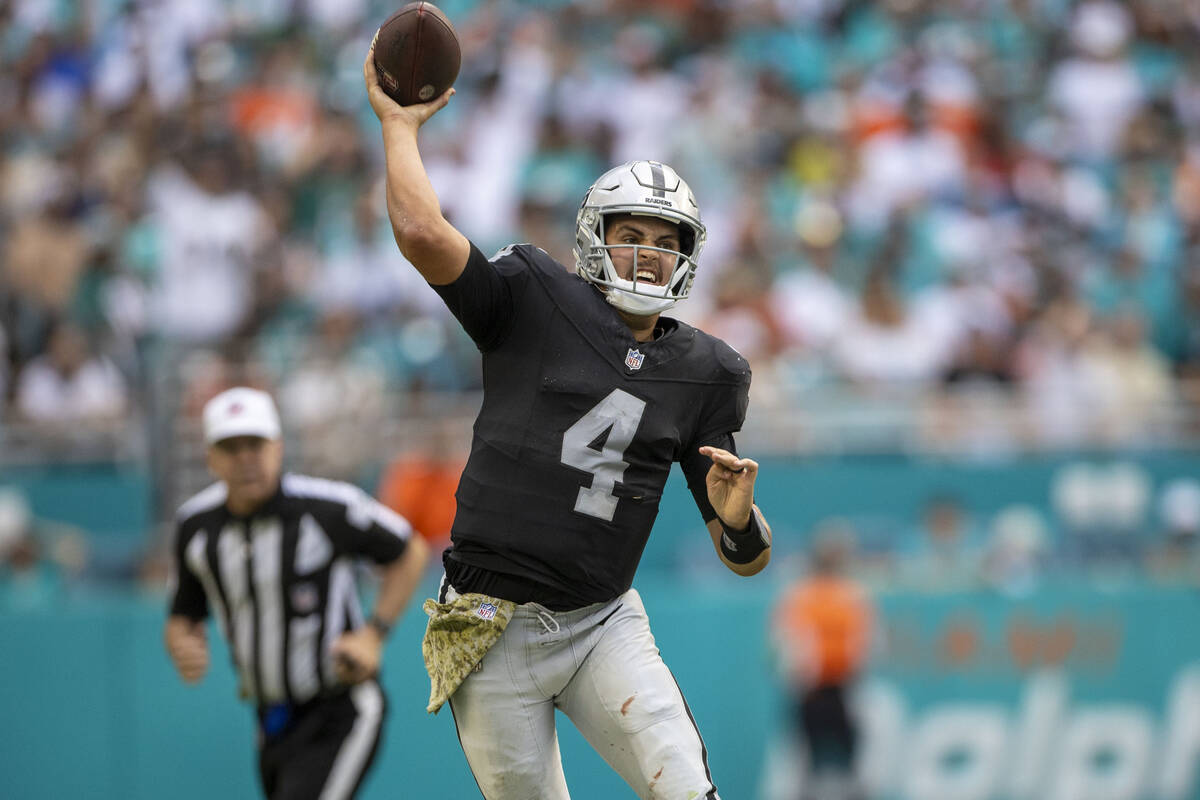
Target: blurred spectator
[[213, 235], [822, 629], [943, 554], [37, 560], [151, 45], [70, 391], [1134, 382], [1136, 284], [1017, 551], [1098, 90], [1058, 377], [329, 181], [969, 415], [275, 108], [1175, 556], [362, 272], [742, 317], [558, 173], [499, 135], [900, 169], [1102, 509], [420, 484], [25, 580], [43, 258], [204, 373], [885, 344], [334, 397], [810, 305], [654, 100]]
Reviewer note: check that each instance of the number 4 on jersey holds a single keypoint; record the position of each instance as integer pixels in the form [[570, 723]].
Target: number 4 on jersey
[[596, 444]]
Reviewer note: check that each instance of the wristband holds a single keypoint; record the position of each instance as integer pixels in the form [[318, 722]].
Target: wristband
[[742, 547], [381, 627]]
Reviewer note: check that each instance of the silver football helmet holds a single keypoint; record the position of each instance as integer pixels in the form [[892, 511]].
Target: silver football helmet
[[646, 188]]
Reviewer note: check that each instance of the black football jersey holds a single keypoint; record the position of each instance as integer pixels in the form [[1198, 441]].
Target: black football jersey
[[580, 424]]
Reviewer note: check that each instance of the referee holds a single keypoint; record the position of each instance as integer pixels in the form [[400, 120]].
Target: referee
[[272, 557]]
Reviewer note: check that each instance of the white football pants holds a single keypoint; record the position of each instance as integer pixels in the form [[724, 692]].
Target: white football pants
[[600, 666]]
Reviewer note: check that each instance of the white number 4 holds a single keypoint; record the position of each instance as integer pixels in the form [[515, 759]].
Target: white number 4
[[596, 444]]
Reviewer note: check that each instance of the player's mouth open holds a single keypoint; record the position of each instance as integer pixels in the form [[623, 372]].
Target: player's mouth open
[[647, 276]]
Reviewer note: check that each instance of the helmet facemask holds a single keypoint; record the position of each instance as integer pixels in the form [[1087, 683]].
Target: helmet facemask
[[640, 189]]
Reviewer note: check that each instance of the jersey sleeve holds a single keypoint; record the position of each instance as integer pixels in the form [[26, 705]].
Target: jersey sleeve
[[695, 468], [186, 593], [367, 528], [725, 411], [482, 298]]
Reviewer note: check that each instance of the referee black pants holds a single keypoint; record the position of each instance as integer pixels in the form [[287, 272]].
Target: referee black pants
[[322, 749]]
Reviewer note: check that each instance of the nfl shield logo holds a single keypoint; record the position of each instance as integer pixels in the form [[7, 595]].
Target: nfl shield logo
[[304, 598], [486, 611], [634, 359]]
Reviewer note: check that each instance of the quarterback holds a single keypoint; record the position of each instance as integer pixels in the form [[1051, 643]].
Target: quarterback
[[590, 395]]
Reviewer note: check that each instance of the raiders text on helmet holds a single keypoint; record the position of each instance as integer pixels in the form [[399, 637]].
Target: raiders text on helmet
[[646, 188]]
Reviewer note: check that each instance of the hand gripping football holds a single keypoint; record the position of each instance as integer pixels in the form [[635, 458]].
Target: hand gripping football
[[417, 55]]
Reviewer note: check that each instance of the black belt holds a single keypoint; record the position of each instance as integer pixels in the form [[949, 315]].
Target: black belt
[[467, 578]]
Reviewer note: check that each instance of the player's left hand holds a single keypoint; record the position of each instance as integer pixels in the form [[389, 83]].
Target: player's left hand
[[730, 484], [356, 655]]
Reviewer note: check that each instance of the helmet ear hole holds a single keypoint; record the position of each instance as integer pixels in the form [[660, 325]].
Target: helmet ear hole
[[687, 240]]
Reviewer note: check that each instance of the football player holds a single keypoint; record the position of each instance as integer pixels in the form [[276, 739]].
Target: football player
[[589, 396]]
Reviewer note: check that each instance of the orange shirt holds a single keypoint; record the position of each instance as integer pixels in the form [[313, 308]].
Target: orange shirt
[[422, 491], [824, 623]]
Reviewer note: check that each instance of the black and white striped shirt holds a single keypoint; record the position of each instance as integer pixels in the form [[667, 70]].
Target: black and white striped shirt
[[281, 582]]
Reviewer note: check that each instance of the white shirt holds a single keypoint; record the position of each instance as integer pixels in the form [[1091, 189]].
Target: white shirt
[[1098, 98], [912, 352], [95, 390], [811, 308], [899, 168], [205, 279]]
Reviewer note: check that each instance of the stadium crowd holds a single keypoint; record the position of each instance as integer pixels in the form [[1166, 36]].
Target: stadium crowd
[[956, 209]]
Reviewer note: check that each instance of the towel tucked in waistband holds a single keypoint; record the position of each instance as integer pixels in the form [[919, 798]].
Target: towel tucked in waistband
[[457, 637]]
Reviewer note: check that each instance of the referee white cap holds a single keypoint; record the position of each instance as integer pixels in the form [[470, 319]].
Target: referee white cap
[[240, 411]]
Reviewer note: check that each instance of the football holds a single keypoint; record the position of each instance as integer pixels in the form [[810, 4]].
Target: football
[[417, 54]]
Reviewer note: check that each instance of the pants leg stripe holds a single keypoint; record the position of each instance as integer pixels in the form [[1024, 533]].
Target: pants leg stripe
[[460, 746], [355, 754], [712, 792]]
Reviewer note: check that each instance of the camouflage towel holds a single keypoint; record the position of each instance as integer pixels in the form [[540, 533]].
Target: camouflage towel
[[458, 636]]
